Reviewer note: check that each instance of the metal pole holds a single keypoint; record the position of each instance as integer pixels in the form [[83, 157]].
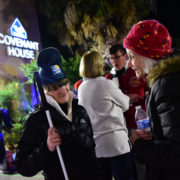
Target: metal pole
[[57, 148], [44, 102]]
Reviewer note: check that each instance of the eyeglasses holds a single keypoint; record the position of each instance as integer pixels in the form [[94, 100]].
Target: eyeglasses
[[116, 57]]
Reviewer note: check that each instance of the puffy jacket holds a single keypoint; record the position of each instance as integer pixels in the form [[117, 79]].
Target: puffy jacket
[[77, 146], [162, 153]]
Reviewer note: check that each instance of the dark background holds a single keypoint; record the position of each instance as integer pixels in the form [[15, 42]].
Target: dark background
[[166, 12]]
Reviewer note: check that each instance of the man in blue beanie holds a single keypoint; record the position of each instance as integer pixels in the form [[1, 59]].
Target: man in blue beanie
[[72, 129]]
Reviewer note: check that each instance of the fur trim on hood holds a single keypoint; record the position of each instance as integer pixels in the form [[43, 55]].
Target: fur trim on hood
[[167, 66]]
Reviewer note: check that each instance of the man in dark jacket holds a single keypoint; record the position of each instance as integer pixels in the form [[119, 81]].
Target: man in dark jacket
[[148, 44], [72, 129]]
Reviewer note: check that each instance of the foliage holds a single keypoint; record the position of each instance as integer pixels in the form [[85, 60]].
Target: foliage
[[10, 96], [12, 138], [6, 100], [92, 24], [11, 100], [71, 67], [28, 70]]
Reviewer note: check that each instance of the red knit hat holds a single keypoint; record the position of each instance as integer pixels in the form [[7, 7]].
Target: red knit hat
[[149, 38]]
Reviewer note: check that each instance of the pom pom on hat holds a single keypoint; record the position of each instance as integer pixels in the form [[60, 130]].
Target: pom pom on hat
[[149, 38], [49, 60]]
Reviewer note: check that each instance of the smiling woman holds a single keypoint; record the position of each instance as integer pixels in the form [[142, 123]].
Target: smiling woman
[[60, 92], [36, 150], [135, 60], [148, 45]]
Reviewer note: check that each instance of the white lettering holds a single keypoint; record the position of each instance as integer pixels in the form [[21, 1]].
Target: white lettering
[[19, 52], [19, 42], [16, 46], [10, 51], [36, 46], [30, 44], [13, 42], [7, 40], [29, 54]]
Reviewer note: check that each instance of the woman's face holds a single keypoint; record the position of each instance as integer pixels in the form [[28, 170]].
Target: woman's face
[[61, 95], [136, 62]]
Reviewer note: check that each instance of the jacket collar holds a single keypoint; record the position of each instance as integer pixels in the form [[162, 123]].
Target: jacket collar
[[53, 103], [167, 66], [120, 72]]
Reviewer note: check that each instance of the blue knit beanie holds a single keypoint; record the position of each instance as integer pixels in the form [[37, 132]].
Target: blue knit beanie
[[49, 60]]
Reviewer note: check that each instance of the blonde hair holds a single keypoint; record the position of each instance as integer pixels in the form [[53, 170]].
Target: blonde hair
[[91, 65], [56, 85]]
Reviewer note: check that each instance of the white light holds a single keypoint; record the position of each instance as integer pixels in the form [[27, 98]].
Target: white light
[[20, 52]]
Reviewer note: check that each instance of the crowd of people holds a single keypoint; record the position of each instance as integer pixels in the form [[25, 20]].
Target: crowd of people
[[96, 131]]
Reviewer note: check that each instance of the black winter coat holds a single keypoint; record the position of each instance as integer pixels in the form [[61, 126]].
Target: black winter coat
[[77, 146], [161, 155]]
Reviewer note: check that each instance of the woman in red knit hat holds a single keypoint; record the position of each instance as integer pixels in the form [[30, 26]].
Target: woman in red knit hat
[[148, 45]]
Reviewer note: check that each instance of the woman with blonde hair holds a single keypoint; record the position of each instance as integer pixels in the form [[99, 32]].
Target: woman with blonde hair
[[105, 104]]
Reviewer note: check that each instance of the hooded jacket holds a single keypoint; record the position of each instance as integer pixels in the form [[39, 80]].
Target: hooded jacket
[[77, 146], [162, 153]]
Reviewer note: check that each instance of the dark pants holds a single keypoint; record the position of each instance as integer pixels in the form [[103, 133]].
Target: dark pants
[[120, 167], [141, 171], [2, 148]]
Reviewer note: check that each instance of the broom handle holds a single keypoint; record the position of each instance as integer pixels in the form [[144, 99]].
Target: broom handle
[[58, 148], [44, 102]]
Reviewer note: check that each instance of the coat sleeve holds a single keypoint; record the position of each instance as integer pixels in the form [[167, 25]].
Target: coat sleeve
[[118, 97], [32, 152], [164, 149]]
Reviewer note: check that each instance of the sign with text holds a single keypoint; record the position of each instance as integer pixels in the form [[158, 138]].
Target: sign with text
[[17, 43]]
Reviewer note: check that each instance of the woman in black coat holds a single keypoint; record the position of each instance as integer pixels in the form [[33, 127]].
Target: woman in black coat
[[72, 130], [148, 44]]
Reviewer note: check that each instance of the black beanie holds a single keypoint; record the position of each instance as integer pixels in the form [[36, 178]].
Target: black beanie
[[49, 60]]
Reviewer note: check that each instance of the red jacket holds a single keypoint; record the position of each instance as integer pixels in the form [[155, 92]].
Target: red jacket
[[130, 84]]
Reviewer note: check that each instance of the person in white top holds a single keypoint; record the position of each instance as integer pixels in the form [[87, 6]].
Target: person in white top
[[105, 104]]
